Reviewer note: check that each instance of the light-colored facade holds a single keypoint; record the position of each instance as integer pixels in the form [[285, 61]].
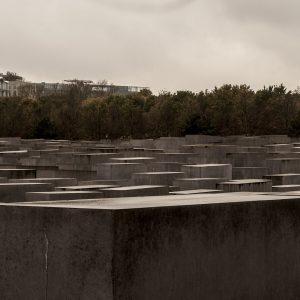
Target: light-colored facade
[[19, 88], [4, 88], [14, 87]]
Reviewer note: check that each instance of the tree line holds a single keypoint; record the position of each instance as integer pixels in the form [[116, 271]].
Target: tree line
[[225, 110]]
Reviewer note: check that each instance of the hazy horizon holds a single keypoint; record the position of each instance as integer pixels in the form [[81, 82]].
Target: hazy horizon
[[165, 45]]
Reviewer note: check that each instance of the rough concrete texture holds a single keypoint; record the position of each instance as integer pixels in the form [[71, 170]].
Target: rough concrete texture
[[246, 185], [208, 171], [248, 172], [136, 191], [197, 183], [225, 246], [283, 179], [61, 195], [18, 173], [113, 171], [156, 178], [16, 192], [54, 181], [55, 254], [81, 160]]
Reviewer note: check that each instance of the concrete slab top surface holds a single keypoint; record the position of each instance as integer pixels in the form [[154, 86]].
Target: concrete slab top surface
[[118, 164], [91, 186], [158, 201], [245, 181], [43, 179], [282, 159], [95, 154], [249, 168], [159, 173], [206, 165], [13, 152], [208, 145], [24, 184], [200, 179], [199, 191], [275, 145], [283, 175], [177, 153], [286, 185], [134, 187], [65, 192], [132, 158], [17, 169]]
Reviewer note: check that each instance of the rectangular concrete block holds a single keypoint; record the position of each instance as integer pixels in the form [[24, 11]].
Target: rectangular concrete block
[[197, 183], [156, 178], [249, 172], [247, 159], [140, 160], [91, 187], [54, 181], [283, 165], [136, 191], [285, 188], [3, 179], [61, 195], [15, 192], [116, 171], [18, 173], [243, 245], [120, 182], [193, 192], [208, 171], [164, 167], [246, 185], [279, 148]]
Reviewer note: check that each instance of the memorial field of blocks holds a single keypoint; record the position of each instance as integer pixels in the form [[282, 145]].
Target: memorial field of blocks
[[36, 169], [77, 216]]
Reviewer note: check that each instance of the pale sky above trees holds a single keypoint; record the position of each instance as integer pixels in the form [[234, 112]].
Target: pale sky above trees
[[163, 44]]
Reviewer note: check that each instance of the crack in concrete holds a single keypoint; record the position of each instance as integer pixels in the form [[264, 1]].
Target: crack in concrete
[[46, 264]]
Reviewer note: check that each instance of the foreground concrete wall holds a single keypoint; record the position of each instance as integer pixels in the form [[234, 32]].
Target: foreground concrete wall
[[230, 250], [55, 254]]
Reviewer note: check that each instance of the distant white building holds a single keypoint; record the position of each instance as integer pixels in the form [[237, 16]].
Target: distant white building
[[4, 87], [14, 88], [20, 88]]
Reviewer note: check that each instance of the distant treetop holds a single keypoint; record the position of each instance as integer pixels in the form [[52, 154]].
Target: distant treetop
[[11, 76]]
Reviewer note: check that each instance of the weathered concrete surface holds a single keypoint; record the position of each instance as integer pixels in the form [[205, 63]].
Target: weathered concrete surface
[[156, 178], [3, 179], [193, 247], [286, 188], [55, 254], [115, 171], [246, 185], [208, 171], [61, 195], [18, 173], [284, 179], [91, 187], [54, 181], [283, 165], [198, 183], [136, 191], [191, 192], [15, 192], [248, 172]]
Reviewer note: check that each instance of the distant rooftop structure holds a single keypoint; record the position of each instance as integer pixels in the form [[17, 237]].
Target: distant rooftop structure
[[4, 87], [16, 86]]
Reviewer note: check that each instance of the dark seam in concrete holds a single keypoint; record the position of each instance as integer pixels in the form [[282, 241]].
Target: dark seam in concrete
[[46, 264], [113, 256]]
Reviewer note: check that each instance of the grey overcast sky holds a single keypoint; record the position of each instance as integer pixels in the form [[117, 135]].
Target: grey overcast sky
[[164, 44]]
